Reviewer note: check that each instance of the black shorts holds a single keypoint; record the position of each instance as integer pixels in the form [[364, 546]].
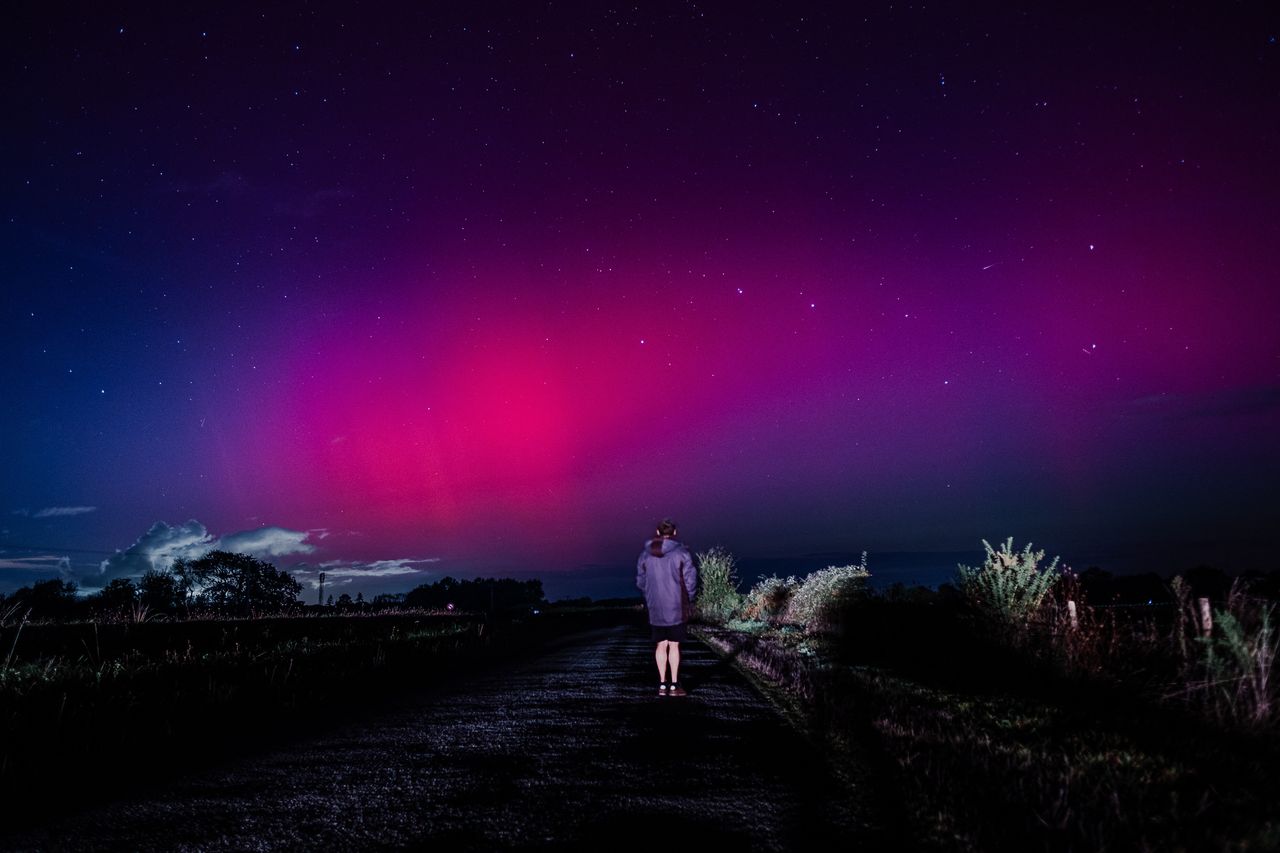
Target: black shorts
[[671, 633]]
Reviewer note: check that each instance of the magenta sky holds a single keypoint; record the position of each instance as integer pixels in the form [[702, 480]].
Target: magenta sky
[[413, 295]]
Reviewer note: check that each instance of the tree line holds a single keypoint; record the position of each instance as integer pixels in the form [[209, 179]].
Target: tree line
[[220, 582], [228, 584]]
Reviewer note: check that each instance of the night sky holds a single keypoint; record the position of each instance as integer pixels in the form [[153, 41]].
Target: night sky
[[401, 293]]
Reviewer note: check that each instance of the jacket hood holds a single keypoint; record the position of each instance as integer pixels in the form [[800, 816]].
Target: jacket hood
[[661, 547]]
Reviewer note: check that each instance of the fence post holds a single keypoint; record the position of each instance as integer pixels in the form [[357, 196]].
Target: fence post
[[1071, 614], [1206, 617]]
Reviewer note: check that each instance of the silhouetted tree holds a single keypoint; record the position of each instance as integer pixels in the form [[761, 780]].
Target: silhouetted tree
[[51, 599], [237, 583], [481, 594], [161, 592], [1096, 584], [899, 592], [1263, 585], [1208, 582], [116, 598], [344, 602]]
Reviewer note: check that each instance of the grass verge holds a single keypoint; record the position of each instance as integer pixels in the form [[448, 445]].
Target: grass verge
[[1014, 764]]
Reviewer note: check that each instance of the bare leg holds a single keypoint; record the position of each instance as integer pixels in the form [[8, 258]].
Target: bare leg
[[660, 655], [673, 655]]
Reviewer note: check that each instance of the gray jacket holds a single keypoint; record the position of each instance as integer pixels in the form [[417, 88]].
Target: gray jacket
[[658, 575]]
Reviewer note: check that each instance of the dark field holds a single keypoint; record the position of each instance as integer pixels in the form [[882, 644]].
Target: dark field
[[118, 705]]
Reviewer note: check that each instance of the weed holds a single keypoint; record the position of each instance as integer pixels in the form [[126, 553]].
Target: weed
[[1227, 665]]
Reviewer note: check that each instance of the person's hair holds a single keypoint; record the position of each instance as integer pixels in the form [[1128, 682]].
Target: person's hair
[[666, 527]]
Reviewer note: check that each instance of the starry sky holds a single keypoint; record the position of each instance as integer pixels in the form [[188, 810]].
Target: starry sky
[[398, 292]]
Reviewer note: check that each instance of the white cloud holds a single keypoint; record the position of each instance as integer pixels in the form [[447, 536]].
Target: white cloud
[[49, 562], [267, 541], [156, 549], [346, 571], [378, 568], [63, 511]]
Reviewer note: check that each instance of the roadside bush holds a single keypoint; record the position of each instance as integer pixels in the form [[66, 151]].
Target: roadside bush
[[719, 598], [1009, 586], [767, 601], [820, 602]]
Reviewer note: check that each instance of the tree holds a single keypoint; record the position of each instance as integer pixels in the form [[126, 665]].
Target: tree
[[51, 599], [481, 594], [160, 592], [116, 598], [237, 583], [388, 600], [1208, 582]]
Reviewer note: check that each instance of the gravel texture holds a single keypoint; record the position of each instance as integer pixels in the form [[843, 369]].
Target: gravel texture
[[571, 750]]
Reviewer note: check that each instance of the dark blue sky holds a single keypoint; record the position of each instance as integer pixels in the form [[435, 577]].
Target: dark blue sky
[[398, 293]]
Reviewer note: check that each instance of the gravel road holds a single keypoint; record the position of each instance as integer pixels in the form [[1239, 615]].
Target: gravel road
[[570, 750]]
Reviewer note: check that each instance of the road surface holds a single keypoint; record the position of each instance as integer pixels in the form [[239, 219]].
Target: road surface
[[571, 750]]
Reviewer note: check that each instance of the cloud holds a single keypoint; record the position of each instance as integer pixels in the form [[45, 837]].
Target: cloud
[[1256, 400], [1225, 403], [1161, 399], [17, 572], [46, 562], [63, 511], [267, 542], [345, 571], [156, 549]]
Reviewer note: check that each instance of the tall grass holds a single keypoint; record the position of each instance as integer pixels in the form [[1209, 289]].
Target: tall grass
[[719, 598], [1227, 668]]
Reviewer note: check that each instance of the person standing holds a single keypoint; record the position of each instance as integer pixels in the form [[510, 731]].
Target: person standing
[[666, 576]]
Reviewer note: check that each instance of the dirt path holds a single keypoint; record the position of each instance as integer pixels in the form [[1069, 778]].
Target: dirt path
[[570, 750]]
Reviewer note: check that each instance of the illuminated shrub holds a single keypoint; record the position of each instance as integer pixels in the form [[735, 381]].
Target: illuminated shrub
[[767, 601], [822, 599], [1009, 586]]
